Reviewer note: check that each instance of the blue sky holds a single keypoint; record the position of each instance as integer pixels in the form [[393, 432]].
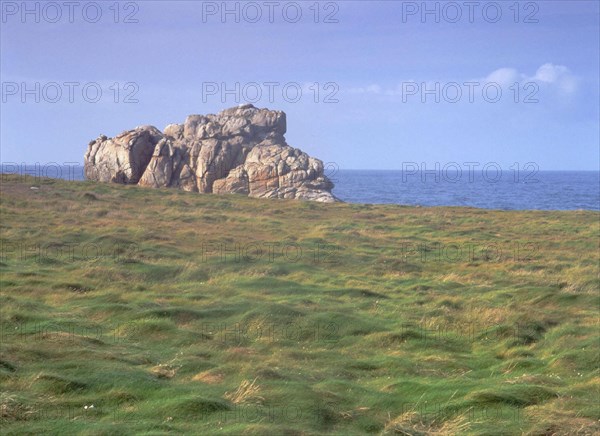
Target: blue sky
[[381, 66]]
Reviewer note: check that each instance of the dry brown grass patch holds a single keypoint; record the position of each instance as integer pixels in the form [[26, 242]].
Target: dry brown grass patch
[[164, 371], [208, 377], [13, 410], [247, 392]]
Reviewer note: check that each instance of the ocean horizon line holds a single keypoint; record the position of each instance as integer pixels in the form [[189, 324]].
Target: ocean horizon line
[[68, 164]]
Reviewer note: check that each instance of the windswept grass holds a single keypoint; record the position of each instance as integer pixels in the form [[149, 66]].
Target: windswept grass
[[129, 310]]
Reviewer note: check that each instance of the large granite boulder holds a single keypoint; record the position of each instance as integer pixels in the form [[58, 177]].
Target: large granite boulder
[[241, 150]]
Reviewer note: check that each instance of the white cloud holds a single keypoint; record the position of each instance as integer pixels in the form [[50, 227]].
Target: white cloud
[[556, 75], [503, 76], [550, 73], [552, 76]]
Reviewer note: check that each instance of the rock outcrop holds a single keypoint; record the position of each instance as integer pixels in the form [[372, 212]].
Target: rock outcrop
[[241, 150]]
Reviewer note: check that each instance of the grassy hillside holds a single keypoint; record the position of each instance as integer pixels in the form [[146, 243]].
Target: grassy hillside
[[130, 310]]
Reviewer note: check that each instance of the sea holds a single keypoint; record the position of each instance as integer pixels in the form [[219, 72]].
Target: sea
[[506, 190], [503, 189]]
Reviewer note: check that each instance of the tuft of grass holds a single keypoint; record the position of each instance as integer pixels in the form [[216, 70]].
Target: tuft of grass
[[58, 384], [411, 423], [246, 392], [516, 395]]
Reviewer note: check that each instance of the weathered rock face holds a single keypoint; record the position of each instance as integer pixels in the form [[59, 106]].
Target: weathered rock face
[[241, 150]]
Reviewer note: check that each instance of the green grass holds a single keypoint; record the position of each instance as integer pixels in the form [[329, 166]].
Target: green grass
[[160, 308]]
